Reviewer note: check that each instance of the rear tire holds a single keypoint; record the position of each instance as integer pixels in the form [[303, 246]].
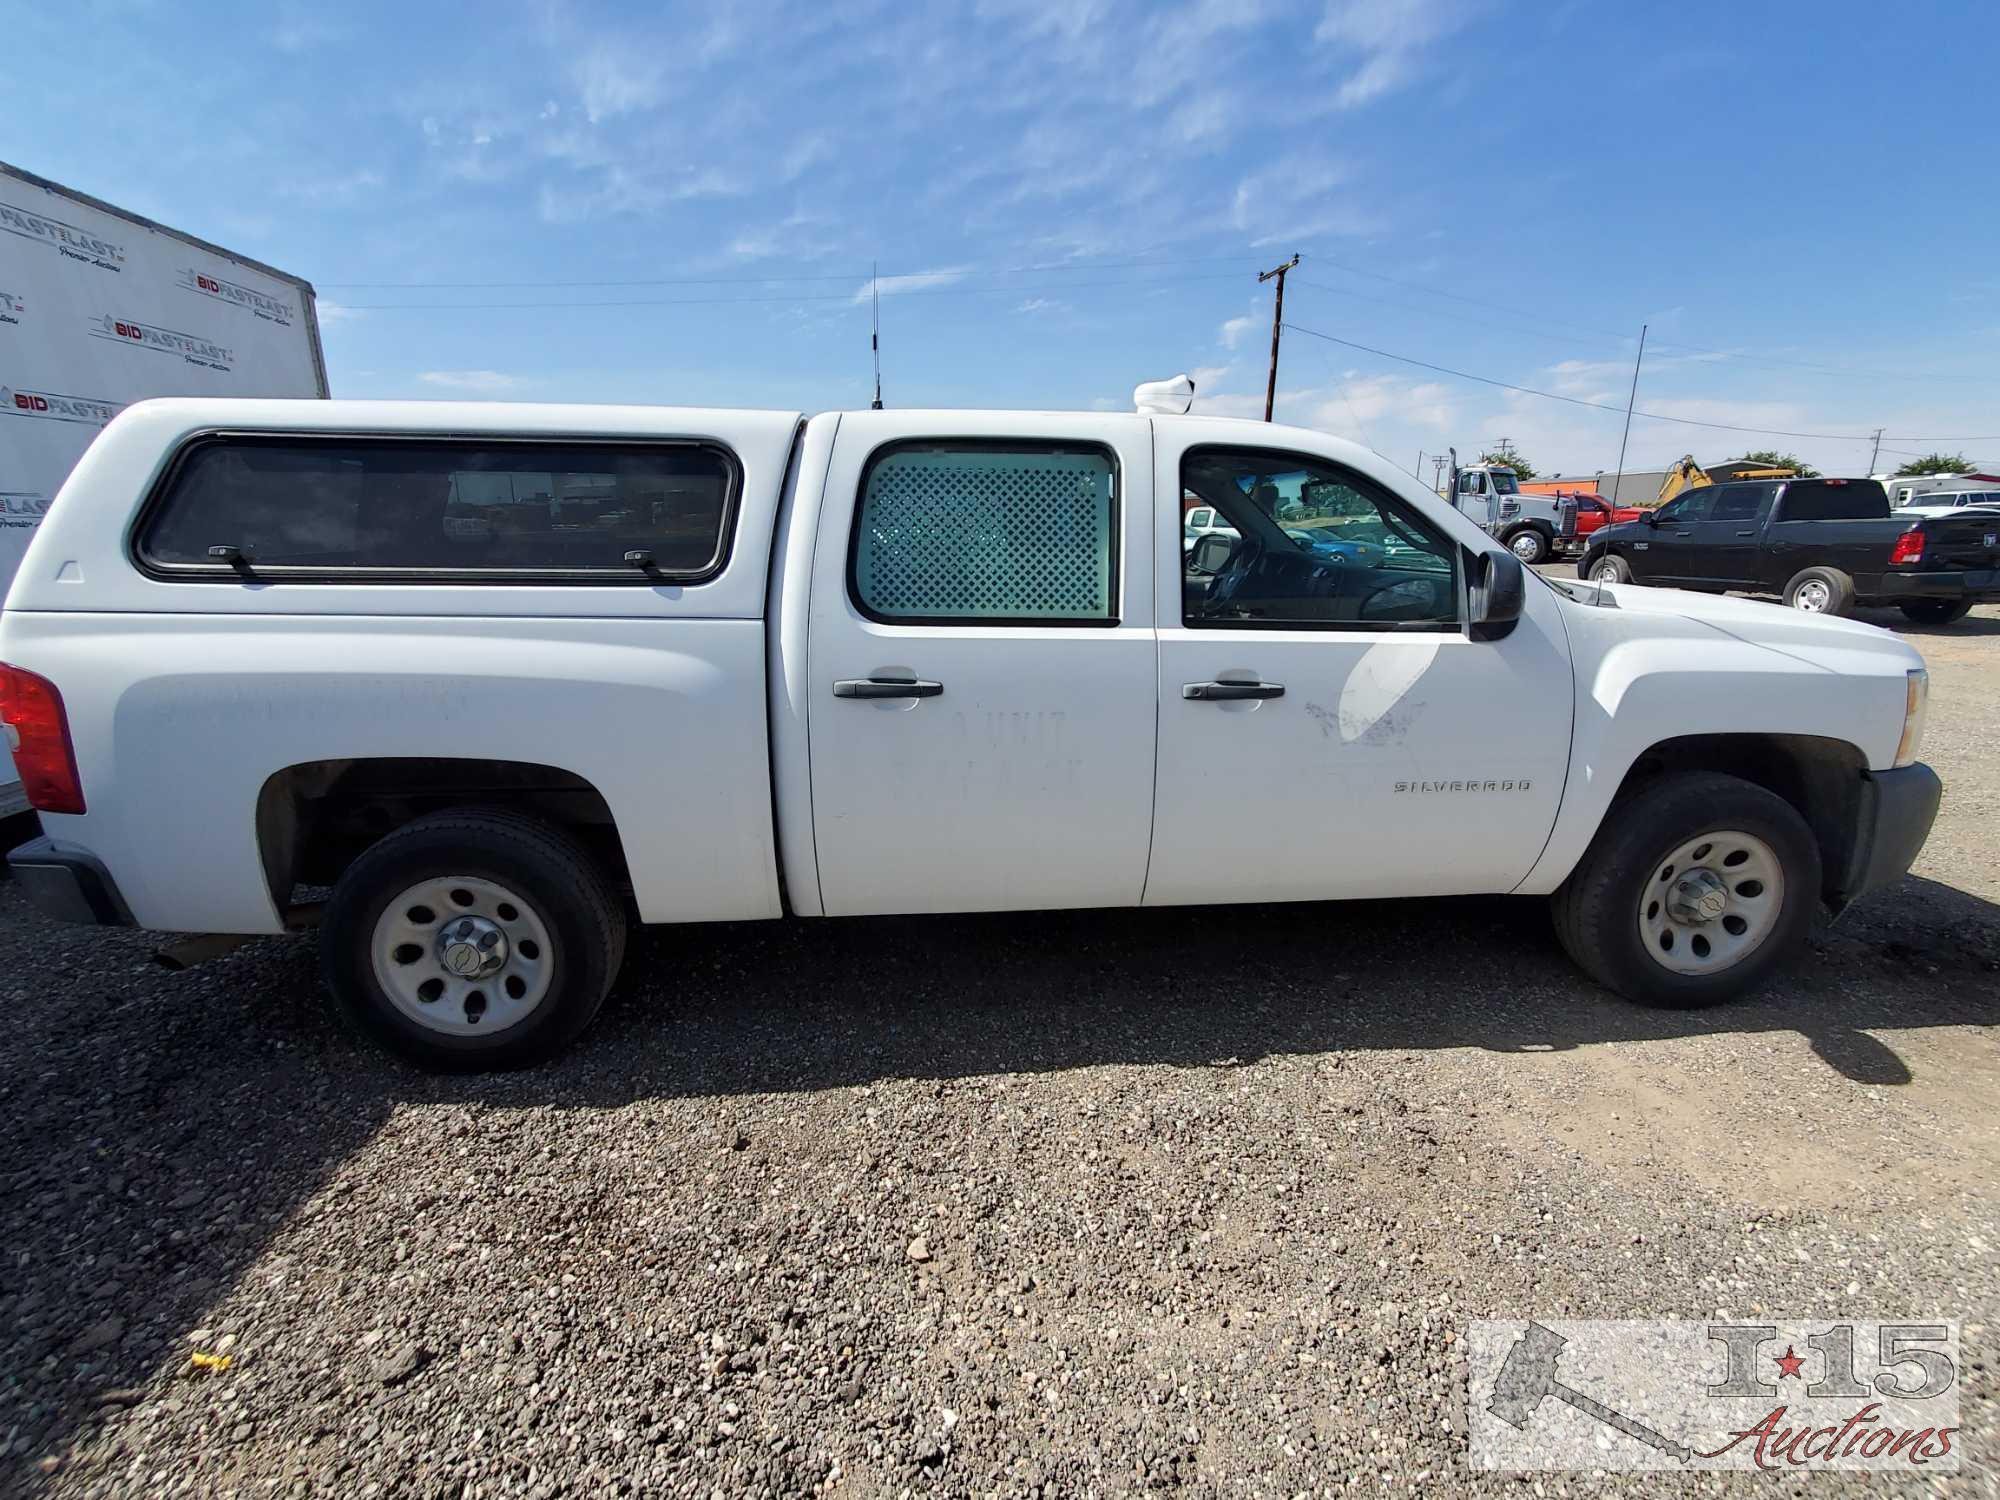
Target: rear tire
[[470, 941], [1935, 611], [1821, 591], [1609, 568], [1686, 839]]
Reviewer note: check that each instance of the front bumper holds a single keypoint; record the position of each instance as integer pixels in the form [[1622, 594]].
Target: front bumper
[[1976, 584], [68, 884], [1893, 820]]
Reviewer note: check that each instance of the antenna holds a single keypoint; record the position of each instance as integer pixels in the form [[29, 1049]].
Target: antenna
[[875, 332]]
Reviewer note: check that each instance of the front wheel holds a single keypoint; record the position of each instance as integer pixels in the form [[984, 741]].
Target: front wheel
[[1607, 569], [468, 941], [1935, 611], [1529, 545], [1694, 891]]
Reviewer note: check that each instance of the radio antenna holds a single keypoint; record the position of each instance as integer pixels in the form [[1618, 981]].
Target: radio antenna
[[875, 332]]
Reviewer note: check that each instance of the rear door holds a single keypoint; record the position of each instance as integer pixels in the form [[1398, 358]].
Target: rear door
[[982, 663], [1721, 547], [1328, 728]]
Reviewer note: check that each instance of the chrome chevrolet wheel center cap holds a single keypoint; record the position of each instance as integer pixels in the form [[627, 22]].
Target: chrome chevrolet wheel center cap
[[471, 947], [1698, 896]]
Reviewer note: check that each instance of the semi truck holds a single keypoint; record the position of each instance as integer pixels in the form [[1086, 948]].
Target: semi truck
[[100, 308]]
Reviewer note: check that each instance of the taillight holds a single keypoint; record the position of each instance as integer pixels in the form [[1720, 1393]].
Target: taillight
[[38, 735], [1909, 548]]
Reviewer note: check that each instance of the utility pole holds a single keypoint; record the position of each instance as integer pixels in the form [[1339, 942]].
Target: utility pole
[[1437, 472], [1277, 325], [1618, 479], [1876, 451]]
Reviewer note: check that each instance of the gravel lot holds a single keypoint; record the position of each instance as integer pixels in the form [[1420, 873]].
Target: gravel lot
[[1057, 1204]]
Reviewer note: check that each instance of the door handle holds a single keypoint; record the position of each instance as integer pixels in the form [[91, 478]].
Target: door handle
[[1222, 692], [1683, 533], [886, 687], [1746, 533]]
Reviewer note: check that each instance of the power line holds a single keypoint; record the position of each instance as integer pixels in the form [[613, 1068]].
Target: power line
[[849, 276], [950, 291], [1842, 437]]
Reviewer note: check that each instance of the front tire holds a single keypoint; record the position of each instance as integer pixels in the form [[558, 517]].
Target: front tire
[[1609, 568], [1694, 892], [1821, 591], [1528, 544], [1935, 611], [471, 941]]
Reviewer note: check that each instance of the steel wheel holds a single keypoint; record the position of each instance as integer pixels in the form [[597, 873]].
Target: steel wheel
[[1607, 572], [1711, 903], [462, 956], [1812, 596]]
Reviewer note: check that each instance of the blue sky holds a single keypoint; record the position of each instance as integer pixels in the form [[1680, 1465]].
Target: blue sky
[[1068, 198]]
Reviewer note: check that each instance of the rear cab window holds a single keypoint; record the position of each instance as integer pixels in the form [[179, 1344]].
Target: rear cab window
[[388, 509], [1832, 500]]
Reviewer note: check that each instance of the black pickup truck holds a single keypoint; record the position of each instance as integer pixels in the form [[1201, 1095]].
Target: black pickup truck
[[1822, 545]]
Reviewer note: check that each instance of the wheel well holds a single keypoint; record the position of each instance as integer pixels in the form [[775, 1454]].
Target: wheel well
[[1820, 777], [313, 819]]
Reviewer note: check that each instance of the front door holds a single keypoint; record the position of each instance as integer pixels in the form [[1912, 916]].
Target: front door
[[1720, 548], [1328, 728], [982, 664]]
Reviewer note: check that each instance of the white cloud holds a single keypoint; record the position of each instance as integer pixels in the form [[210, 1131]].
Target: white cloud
[[915, 281], [615, 79], [335, 312], [479, 382], [1231, 333], [345, 186], [1041, 304], [1387, 36]]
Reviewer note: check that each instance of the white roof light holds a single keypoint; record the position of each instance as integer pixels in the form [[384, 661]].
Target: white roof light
[[1170, 398]]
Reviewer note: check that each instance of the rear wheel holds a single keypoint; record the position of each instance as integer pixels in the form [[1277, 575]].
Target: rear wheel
[[1935, 611], [1821, 591], [468, 941], [1693, 892]]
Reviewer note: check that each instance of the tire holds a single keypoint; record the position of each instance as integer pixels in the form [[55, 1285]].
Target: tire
[[1611, 923], [1935, 611], [1529, 543], [558, 939], [1605, 568], [1821, 591]]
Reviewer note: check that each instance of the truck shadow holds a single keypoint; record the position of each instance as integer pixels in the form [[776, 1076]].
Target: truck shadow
[[162, 1128]]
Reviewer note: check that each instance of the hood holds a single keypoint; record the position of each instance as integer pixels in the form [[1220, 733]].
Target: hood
[[1837, 645]]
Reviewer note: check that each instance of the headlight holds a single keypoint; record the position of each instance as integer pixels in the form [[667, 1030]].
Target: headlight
[[1916, 702]]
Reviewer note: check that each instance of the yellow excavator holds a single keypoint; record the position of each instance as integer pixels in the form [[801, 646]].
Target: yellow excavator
[[1689, 475]]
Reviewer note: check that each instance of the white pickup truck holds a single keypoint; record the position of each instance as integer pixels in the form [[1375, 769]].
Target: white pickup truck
[[507, 678]]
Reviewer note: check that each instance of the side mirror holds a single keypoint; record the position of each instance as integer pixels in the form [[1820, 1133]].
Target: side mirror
[[1498, 594], [1211, 553], [1650, 517]]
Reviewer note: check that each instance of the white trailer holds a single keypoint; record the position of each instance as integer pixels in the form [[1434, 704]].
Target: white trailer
[[100, 308]]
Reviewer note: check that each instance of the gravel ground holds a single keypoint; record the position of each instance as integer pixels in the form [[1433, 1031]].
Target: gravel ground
[[1061, 1204]]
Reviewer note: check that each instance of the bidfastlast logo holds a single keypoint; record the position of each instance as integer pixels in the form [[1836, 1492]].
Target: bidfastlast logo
[[22, 510], [57, 407], [192, 348], [67, 240], [271, 309], [11, 308]]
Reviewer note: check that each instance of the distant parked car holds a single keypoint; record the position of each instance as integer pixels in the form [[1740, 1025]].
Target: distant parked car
[[1948, 502]]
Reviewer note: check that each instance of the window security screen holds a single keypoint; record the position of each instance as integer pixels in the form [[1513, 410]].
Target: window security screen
[[971, 532]]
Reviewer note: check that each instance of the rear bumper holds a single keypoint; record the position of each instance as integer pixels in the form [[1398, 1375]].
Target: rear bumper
[[68, 884], [1894, 818], [1978, 584]]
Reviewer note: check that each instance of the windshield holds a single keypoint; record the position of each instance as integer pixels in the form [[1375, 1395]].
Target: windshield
[[1506, 484]]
